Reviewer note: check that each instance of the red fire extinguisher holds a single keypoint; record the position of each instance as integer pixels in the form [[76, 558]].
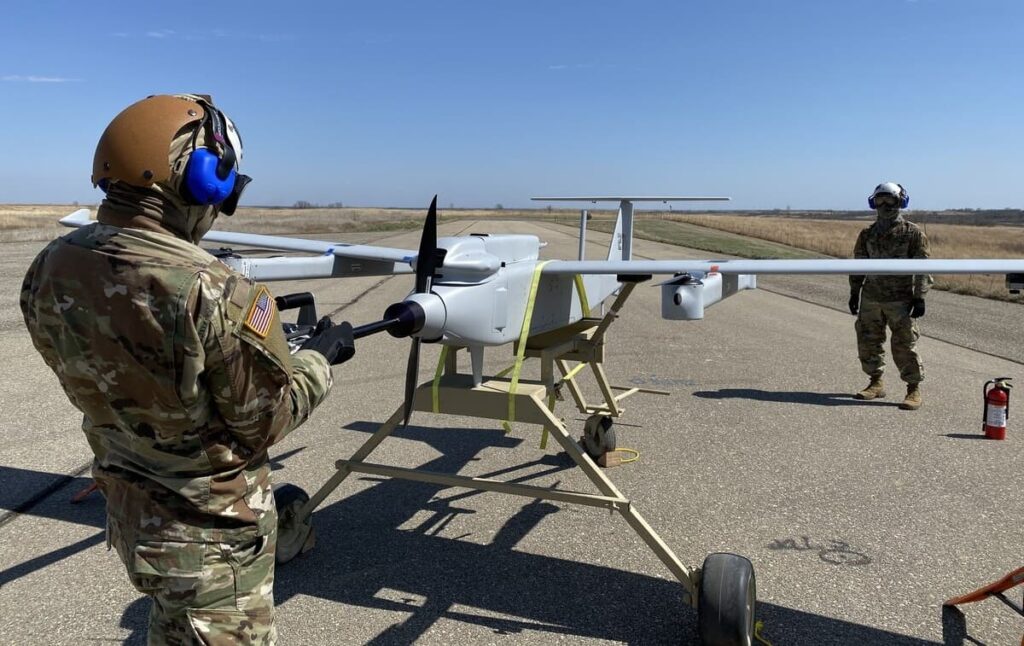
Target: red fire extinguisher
[[997, 407]]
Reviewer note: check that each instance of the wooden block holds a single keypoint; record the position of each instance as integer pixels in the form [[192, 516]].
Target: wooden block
[[610, 459]]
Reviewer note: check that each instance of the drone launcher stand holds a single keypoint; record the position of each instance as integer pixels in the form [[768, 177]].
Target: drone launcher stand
[[455, 394]]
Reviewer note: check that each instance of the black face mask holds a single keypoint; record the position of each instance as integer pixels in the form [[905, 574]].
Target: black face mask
[[228, 206]]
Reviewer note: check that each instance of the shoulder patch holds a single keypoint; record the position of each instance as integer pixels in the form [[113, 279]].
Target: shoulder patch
[[261, 313]]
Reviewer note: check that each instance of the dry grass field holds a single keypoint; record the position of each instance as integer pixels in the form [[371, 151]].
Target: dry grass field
[[741, 235], [25, 222]]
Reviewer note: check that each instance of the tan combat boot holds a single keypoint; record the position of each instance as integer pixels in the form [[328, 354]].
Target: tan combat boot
[[913, 399], [874, 390]]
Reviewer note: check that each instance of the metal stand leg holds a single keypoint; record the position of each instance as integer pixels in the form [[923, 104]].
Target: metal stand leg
[[343, 472], [685, 575]]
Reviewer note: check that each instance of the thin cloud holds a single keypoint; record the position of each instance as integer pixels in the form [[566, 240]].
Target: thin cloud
[[575, 66], [17, 78], [204, 35]]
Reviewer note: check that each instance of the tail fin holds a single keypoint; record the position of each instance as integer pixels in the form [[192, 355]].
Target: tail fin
[[599, 287], [615, 245]]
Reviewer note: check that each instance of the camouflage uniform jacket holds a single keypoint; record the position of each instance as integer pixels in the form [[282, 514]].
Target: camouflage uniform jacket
[[901, 239], [183, 374]]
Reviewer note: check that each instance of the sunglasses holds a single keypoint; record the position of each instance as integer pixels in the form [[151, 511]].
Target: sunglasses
[[886, 200]]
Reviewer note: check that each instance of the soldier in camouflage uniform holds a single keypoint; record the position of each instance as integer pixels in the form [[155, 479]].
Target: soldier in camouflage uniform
[[896, 301], [181, 369]]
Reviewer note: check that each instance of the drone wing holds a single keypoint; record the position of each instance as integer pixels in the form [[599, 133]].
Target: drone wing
[[334, 259], [337, 259], [697, 284], [815, 266], [628, 198]]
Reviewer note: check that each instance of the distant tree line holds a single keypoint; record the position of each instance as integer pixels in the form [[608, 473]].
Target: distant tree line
[[303, 204]]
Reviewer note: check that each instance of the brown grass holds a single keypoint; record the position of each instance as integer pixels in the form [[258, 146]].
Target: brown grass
[[28, 222], [39, 222]]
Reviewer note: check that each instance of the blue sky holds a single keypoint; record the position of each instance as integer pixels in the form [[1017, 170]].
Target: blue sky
[[805, 104]]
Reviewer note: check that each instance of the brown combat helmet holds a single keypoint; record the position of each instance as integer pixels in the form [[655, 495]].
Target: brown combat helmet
[[134, 147]]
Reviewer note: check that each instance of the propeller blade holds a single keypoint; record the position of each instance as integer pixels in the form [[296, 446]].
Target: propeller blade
[[426, 261], [412, 372]]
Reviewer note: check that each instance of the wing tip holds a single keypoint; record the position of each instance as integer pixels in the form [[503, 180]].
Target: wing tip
[[76, 218]]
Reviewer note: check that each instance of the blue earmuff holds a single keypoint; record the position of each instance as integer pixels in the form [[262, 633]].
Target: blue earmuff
[[208, 178], [204, 181]]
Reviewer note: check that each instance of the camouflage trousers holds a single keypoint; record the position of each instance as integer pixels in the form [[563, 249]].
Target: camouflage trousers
[[204, 594], [871, 323]]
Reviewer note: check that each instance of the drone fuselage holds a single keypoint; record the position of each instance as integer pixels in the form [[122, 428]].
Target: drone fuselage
[[480, 295]]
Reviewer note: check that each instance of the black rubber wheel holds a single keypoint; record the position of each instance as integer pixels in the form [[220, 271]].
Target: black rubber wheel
[[293, 538], [725, 606], [598, 436]]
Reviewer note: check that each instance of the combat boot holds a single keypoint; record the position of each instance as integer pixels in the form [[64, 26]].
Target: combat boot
[[874, 390], [913, 399]]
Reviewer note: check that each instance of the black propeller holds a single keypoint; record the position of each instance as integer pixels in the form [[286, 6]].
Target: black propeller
[[426, 263], [407, 318]]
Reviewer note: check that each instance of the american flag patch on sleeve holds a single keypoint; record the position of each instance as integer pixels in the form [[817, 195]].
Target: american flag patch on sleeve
[[261, 314]]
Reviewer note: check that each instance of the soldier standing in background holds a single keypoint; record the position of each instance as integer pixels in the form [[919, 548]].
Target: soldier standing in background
[[181, 369], [896, 301]]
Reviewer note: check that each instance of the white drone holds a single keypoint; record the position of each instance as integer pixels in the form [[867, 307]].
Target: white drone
[[478, 291]]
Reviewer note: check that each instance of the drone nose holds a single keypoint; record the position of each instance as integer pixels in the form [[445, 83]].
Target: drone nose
[[408, 316]]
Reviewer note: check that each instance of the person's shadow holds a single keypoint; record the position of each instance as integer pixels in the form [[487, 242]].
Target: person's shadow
[[791, 397]]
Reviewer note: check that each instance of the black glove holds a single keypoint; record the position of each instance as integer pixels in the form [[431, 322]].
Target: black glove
[[855, 302], [335, 342], [917, 308]]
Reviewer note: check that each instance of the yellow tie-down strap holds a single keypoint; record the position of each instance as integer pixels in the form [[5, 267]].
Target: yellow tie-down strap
[[524, 333], [517, 366], [520, 354], [434, 388], [581, 291]]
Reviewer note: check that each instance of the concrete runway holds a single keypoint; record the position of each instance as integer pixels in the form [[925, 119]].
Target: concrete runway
[[860, 519]]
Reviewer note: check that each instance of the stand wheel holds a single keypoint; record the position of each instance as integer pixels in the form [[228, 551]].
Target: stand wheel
[[725, 606], [598, 436], [293, 537]]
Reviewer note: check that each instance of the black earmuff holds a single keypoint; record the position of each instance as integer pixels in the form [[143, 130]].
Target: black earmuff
[[904, 198]]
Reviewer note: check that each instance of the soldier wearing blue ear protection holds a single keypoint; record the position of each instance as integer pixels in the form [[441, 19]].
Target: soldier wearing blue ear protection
[[181, 370], [176, 153], [895, 302]]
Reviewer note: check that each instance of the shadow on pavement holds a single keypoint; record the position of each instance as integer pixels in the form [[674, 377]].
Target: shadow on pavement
[[40, 493], [369, 555], [791, 397], [966, 436]]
